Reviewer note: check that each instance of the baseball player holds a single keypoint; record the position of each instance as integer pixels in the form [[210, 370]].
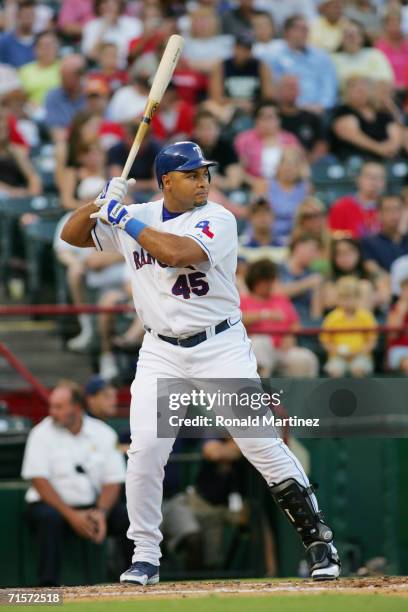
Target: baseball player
[[182, 253]]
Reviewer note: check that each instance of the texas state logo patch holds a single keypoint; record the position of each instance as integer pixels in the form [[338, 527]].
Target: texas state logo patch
[[204, 226]]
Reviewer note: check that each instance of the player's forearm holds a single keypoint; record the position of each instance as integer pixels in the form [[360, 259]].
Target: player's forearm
[[49, 496], [77, 230], [170, 249]]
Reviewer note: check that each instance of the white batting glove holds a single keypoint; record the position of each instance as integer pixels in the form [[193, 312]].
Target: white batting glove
[[115, 189], [116, 215], [112, 213]]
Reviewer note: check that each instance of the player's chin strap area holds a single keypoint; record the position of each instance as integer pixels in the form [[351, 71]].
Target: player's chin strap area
[[297, 504]]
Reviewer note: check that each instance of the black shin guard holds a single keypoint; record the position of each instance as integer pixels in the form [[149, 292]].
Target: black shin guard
[[295, 501]]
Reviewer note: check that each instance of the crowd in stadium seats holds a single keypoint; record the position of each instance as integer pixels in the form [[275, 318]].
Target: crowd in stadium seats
[[303, 105]]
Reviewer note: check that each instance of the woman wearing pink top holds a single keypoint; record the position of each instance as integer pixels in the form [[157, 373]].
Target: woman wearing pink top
[[260, 148], [395, 46]]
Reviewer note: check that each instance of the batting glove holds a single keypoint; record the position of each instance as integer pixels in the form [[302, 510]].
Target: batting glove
[[117, 215], [115, 189]]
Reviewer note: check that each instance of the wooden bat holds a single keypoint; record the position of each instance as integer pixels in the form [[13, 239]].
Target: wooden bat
[[160, 83]]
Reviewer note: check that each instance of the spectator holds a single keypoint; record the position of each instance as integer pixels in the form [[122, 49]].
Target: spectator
[[359, 127], [349, 352], [97, 99], [354, 58], [281, 11], [383, 248], [76, 474], [86, 161], [205, 46], [174, 117], [260, 149], [326, 30], [180, 528], [62, 103], [191, 84], [237, 21], [357, 214], [404, 215], [397, 342], [42, 75], [143, 168], [87, 127], [43, 16], [227, 175], [312, 66], [265, 42], [155, 32], [86, 268], [17, 175], [311, 218], [267, 310], [216, 498], [238, 82], [110, 25], [131, 339], [305, 125], [300, 284], [399, 270], [365, 13], [73, 16], [286, 191], [395, 46], [17, 47], [108, 68], [129, 101], [23, 130], [346, 259], [260, 231], [101, 398]]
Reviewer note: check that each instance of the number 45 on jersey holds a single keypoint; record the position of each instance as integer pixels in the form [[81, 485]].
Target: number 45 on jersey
[[186, 284]]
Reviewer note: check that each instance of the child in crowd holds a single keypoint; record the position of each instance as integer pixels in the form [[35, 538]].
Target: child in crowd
[[266, 311], [349, 352]]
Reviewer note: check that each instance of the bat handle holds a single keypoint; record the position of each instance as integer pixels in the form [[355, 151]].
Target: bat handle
[[140, 134]]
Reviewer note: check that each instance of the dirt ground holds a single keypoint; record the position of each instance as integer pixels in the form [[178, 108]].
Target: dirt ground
[[392, 585]]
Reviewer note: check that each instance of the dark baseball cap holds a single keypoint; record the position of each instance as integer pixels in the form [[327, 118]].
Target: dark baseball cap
[[95, 384]]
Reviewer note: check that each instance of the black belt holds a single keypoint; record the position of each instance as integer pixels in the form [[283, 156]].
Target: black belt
[[193, 340]]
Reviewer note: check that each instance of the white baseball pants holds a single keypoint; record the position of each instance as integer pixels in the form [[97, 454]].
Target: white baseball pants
[[226, 355]]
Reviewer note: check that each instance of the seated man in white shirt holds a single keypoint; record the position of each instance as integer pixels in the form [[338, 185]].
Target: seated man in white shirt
[[76, 472]]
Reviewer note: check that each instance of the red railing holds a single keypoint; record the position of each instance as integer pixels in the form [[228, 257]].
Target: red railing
[[69, 309]]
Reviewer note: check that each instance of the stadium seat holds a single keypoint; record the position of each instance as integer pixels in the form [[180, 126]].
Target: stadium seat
[[44, 163], [11, 209], [332, 180], [13, 435], [38, 239]]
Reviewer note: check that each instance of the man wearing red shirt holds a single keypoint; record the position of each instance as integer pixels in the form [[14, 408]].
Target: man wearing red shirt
[[174, 118], [266, 311], [356, 214]]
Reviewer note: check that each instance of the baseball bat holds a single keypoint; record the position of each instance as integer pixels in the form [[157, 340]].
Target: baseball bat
[[160, 83]]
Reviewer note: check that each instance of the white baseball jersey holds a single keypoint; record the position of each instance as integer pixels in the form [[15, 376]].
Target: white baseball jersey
[[180, 301]]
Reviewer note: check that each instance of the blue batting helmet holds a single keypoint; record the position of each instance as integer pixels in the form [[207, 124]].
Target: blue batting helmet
[[181, 157]]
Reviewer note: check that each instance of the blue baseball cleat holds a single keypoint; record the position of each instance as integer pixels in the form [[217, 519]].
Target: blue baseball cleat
[[141, 572]]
